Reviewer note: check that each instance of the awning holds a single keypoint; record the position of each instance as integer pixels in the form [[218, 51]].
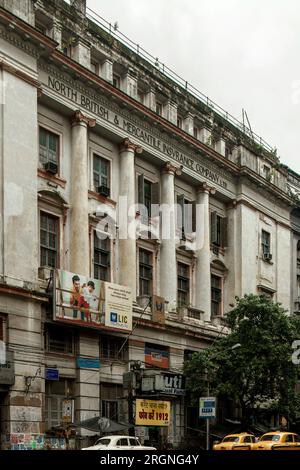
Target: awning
[[103, 425]]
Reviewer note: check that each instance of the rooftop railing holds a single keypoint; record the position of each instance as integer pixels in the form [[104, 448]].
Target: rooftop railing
[[170, 74]]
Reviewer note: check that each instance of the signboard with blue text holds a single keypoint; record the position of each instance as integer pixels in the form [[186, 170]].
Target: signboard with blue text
[[51, 374], [87, 363], [207, 407]]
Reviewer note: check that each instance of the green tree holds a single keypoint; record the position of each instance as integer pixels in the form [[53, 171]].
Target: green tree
[[261, 370]]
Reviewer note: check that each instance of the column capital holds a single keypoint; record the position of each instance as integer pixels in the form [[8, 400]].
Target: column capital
[[205, 188], [232, 204], [127, 145], [168, 167], [79, 119]]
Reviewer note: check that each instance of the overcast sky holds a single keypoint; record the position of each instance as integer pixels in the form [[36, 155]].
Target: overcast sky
[[241, 53]]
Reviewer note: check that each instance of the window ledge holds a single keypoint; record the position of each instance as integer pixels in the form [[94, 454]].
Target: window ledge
[[217, 250], [268, 261], [54, 179], [98, 197]]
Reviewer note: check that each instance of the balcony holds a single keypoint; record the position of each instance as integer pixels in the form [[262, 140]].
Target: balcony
[[190, 313]]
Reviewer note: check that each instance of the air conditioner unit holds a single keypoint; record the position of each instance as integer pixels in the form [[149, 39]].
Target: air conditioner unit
[[51, 167], [103, 191], [267, 256]]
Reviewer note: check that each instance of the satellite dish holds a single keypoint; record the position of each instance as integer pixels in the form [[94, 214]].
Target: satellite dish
[[103, 424]]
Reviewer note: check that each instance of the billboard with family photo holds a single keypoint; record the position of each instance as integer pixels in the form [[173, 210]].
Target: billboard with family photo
[[91, 302]]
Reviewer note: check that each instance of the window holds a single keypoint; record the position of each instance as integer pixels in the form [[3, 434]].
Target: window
[[101, 173], [59, 340], [56, 393], [116, 81], [183, 285], [266, 242], [1, 329], [289, 438], [93, 66], [188, 354], [185, 216], [140, 95], [145, 272], [179, 122], [195, 132], [133, 441], [122, 442], [159, 108], [40, 27], [216, 295], [248, 439], [110, 348], [298, 287], [218, 230], [48, 146], [298, 254], [101, 258], [49, 240], [267, 172], [148, 195], [109, 396]]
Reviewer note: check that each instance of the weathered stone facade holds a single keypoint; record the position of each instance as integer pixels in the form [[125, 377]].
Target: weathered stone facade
[[63, 73]]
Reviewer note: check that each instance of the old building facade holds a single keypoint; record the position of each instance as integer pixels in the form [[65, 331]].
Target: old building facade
[[85, 122]]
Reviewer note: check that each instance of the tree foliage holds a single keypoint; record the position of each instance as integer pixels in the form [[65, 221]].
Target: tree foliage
[[259, 373]]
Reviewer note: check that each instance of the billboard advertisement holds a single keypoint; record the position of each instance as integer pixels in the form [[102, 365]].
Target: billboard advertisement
[[154, 356], [90, 302]]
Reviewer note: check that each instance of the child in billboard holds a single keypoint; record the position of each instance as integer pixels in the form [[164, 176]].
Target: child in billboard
[[90, 299]]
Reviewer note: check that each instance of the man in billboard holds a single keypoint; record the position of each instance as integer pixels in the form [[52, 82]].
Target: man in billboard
[[77, 298]]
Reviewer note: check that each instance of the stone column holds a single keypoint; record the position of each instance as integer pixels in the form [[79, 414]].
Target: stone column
[[82, 53], [80, 256], [168, 264], [127, 215], [56, 32], [170, 111], [150, 99], [107, 70], [221, 146], [203, 281], [188, 124]]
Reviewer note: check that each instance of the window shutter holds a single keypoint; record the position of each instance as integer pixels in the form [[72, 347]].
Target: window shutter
[[224, 232], [213, 228], [194, 216], [155, 195], [180, 214], [141, 189]]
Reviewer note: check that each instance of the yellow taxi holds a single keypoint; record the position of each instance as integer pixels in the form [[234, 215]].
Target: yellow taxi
[[242, 441], [277, 440]]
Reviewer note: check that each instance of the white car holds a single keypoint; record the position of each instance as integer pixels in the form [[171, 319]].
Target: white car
[[118, 443]]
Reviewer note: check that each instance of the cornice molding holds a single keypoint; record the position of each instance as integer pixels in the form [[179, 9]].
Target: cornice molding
[[19, 74]]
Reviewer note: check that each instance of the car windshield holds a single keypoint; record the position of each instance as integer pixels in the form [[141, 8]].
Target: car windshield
[[231, 439], [270, 437], [103, 442]]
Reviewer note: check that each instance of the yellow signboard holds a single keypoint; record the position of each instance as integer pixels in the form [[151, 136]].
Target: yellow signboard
[[152, 412]]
